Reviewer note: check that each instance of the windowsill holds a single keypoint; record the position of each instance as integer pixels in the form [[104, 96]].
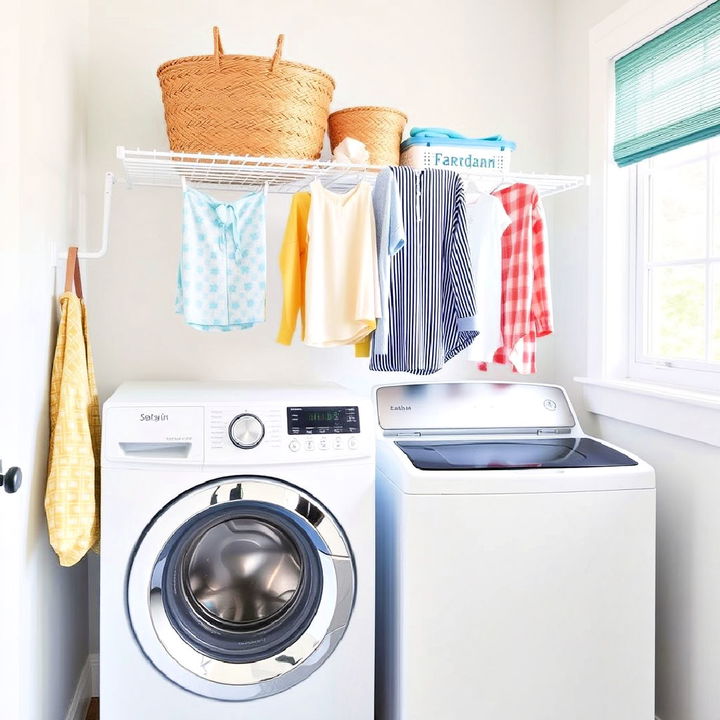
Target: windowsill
[[677, 411]]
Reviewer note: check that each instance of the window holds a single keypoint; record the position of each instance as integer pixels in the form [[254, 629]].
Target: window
[[675, 214], [653, 241], [667, 135]]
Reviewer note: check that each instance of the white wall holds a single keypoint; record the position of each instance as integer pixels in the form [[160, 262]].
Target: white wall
[[688, 623], [450, 67], [529, 82], [52, 66]]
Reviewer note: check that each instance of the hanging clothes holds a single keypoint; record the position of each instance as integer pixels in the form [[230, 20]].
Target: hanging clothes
[[72, 495], [526, 300], [342, 296], [222, 271], [486, 222], [431, 283], [293, 265], [390, 237]]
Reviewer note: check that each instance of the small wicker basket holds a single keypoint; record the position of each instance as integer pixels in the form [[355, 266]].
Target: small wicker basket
[[380, 128], [245, 105]]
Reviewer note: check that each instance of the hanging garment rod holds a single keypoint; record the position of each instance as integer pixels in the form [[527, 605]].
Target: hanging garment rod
[[238, 173]]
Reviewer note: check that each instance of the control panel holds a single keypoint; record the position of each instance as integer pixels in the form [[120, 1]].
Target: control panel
[[326, 420], [288, 433], [477, 407], [235, 425]]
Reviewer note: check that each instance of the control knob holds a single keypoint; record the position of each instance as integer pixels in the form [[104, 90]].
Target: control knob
[[246, 431]]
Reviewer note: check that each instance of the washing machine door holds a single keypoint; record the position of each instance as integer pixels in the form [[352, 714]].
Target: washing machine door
[[241, 588]]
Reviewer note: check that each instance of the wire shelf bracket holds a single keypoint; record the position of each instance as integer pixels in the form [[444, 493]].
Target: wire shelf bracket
[[110, 180], [158, 168]]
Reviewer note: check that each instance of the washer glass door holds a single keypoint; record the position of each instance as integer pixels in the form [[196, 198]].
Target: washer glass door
[[242, 573], [235, 585]]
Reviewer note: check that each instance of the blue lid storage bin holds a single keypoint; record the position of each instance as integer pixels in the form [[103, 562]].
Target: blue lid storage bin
[[442, 148]]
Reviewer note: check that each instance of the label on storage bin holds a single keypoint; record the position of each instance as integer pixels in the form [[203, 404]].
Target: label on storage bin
[[457, 158], [441, 159]]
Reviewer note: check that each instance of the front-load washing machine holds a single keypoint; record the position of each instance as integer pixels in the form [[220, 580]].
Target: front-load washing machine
[[516, 560], [237, 563]]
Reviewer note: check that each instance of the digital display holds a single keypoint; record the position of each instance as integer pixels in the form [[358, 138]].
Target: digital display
[[323, 416], [323, 420]]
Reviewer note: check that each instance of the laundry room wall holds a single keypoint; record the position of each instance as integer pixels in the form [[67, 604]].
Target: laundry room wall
[[688, 584], [52, 67], [481, 68]]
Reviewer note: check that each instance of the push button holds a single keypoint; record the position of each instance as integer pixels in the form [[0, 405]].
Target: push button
[[294, 446], [323, 443], [337, 443], [353, 443], [309, 445]]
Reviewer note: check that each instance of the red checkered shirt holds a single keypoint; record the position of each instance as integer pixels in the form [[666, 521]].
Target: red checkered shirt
[[526, 305]]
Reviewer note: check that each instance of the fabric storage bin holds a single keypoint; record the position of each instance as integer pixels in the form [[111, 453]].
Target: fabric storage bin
[[245, 105], [380, 128], [441, 148]]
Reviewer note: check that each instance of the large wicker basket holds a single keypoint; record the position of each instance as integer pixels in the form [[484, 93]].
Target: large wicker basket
[[380, 128], [245, 105]]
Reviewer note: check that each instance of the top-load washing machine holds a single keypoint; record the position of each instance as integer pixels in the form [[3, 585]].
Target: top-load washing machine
[[237, 565], [516, 560]]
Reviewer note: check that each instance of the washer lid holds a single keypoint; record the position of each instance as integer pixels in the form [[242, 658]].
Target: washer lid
[[501, 454]]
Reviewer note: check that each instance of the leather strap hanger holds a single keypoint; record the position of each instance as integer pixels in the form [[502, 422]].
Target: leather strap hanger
[[72, 272]]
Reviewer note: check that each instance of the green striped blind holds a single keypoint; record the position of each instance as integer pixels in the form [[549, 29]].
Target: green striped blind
[[667, 91]]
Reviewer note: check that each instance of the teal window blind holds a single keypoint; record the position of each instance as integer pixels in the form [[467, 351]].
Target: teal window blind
[[667, 91]]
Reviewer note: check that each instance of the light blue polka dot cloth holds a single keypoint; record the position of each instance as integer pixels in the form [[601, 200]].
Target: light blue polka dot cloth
[[221, 277]]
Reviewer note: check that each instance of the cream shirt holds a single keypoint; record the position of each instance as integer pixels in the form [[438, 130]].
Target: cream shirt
[[342, 295]]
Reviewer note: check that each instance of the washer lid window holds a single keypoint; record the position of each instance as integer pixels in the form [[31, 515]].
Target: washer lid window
[[241, 588]]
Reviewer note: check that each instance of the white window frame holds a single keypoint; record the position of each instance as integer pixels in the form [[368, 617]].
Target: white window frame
[[641, 365], [609, 388]]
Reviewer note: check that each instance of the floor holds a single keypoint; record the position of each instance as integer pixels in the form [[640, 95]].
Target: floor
[[93, 712]]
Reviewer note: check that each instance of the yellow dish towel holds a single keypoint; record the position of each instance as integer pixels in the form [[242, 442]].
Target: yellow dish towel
[[72, 494]]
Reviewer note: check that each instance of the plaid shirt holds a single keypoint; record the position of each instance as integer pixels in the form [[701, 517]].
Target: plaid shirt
[[526, 305]]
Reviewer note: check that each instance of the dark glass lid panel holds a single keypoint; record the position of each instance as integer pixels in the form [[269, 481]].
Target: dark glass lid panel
[[513, 454]]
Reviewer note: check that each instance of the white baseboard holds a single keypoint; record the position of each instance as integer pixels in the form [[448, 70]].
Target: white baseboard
[[94, 662], [83, 692]]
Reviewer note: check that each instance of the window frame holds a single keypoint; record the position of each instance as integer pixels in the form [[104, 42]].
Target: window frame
[[607, 389], [702, 375]]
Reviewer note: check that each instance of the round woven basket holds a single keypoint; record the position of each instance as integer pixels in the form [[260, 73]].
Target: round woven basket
[[380, 128], [245, 105]]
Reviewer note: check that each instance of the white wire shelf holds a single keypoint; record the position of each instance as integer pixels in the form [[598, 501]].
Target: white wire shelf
[[246, 173], [162, 168]]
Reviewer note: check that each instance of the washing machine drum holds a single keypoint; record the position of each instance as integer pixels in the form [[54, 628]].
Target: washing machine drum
[[241, 588]]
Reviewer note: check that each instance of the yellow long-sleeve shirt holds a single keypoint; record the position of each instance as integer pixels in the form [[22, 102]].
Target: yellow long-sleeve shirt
[[293, 262]]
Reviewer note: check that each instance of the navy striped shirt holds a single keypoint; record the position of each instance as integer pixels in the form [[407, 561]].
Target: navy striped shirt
[[431, 281]]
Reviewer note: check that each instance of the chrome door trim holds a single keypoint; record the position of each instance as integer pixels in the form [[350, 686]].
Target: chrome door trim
[[189, 668]]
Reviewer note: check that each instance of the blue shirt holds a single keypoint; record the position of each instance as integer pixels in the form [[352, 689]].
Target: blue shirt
[[390, 233], [222, 272]]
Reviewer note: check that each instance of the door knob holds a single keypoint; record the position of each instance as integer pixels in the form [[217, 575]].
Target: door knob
[[11, 480]]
